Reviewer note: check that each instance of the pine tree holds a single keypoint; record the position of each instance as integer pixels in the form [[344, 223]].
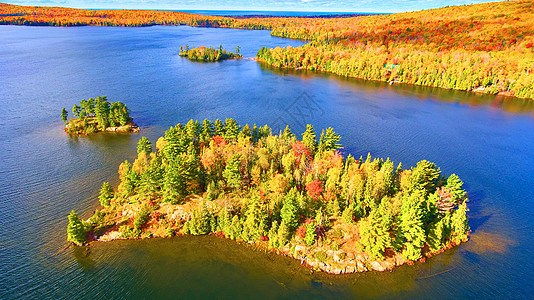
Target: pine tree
[[273, 235], [459, 225], [411, 227], [374, 235], [174, 181], [232, 173], [64, 115], [436, 234], [424, 177], [284, 234], [144, 145], [207, 129], [287, 135], [236, 228], [245, 131], [224, 221], [218, 127], [251, 230], [106, 194], [310, 236], [455, 186], [309, 138], [77, 229], [200, 221], [231, 129], [290, 210], [329, 140]]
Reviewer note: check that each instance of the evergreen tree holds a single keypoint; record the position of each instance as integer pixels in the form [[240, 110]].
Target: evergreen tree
[[76, 110], [329, 140], [207, 129], [218, 127], [174, 181], [77, 229], [436, 234], [459, 225], [287, 135], [236, 228], [232, 173], [290, 210], [141, 217], [64, 115], [144, 145], [245, 131], [224, 221], [310, 236], [251, 226], [411, 227], [284, 234], [455, 186], [106, 194], [374, 235], [273, 235], [333, 208], [424, 176], [200, 221], [231, 129], [309, 138]]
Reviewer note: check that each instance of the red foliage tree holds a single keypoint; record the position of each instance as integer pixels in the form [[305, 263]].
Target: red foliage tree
[[314, 189]]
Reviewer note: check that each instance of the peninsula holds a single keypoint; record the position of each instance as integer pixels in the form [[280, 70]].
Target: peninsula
[[297, 197], [97, 114]]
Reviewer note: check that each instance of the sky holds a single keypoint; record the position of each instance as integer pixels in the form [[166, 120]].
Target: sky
[[386, 6]]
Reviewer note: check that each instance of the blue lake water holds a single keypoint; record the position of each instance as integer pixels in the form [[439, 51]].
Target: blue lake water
[[487, 140]]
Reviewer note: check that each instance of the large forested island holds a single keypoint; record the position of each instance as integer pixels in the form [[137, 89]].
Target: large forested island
[[98, 114], [299, 197], [209, 54], [487, 48]]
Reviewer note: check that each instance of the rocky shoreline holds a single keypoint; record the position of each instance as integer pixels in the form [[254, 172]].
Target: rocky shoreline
[[131, 127], [331, 262]]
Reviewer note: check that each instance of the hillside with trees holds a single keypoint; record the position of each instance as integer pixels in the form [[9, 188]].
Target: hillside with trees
[[98, 114], [487, 48], [296, 196], [483, 48]]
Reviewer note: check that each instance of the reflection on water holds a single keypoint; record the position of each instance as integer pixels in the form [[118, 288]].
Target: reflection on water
[[508, 104], [482, 242]]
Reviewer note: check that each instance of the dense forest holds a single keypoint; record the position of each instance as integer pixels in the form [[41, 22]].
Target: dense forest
[[485, 48], [299, 196], [209, 54], [97, 114]]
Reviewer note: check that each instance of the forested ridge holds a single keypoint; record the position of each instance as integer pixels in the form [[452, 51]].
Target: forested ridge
[[483, 47], [298, 196]]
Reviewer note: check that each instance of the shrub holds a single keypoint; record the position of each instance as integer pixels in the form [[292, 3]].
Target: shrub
[[320, 256]]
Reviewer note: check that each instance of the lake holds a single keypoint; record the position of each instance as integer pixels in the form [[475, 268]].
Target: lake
[[487, 140]]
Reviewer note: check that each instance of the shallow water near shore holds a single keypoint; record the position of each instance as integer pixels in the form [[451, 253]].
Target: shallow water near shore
[[44, 173]]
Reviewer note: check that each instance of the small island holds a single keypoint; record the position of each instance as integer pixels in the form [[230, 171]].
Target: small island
[[96, 115], [208, 54], [296, 197]]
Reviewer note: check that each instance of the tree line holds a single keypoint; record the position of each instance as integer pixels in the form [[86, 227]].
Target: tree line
[[486, 47]]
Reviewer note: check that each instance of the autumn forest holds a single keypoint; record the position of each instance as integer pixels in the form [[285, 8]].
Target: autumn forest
[[484, 48]]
